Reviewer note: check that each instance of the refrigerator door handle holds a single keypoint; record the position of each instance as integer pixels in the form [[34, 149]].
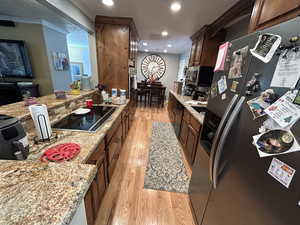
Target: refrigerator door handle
[[226, 114], [223, 138]]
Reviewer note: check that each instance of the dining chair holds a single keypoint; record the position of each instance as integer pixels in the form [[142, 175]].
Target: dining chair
[[142, 93], [157, 94]]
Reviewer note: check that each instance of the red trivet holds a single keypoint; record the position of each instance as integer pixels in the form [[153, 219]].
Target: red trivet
[[61, 153]]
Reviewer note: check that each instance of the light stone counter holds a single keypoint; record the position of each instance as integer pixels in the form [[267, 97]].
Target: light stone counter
[[34, 193], [183, 99]]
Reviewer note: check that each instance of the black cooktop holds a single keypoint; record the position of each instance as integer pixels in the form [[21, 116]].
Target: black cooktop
[[87, 122]]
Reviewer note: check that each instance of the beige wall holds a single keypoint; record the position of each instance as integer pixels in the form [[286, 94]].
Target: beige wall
[[32, 34], [171, 74]]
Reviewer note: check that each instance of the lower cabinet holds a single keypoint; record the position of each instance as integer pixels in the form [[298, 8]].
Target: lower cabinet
[[105, 158], [95, 194], [132, 109], [125, 123], [113, 148], [191, 145], [184, 131], [188, 136]]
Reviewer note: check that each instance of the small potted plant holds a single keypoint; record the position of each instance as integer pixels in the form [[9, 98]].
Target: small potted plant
[[75, 88]]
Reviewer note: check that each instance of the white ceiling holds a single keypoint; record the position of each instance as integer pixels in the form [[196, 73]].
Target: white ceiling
[[153, 16], [33, 10]]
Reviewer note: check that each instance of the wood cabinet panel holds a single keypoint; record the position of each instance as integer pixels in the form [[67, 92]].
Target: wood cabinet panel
[[113, 56], [184, 133], [88, 201], [273, 8], [117, 42], [210, 48], [98, 187], [198, 51], [191, 144], [113, 129], [101, 181], [192, 54], [114, 149], [195, 124], [186, 116], [267, 13]]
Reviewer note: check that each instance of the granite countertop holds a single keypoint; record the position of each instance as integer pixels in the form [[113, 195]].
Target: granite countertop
[[32, 192], [42, 193], [88, 141], [20, 111], [183, 99]]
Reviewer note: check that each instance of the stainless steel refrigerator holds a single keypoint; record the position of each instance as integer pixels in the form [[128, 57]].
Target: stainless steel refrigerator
[[230, 184]]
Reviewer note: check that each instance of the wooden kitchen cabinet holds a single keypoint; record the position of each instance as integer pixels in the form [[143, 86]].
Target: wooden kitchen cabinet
[[125, 123], [116, 41], [191, 144], [267, 13], [132, 110], [105, 157], [189, 134], [205, 47], [193, 53], [114, 146], [184, 131], [95, 194]]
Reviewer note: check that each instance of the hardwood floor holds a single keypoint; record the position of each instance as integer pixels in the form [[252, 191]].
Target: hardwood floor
[[126, 201]]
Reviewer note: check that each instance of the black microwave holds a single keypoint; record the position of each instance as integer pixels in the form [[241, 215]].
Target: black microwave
[[200, 76]]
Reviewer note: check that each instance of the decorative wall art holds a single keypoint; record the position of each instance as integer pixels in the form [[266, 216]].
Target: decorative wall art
[[76, 70], [60, 61], [153, 67]]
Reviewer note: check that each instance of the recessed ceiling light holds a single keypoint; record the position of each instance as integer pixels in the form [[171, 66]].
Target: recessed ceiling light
[[175, 6], [145, 43], [108, 2], [165, 51], [164, 33], [169, 45], [146, 50]]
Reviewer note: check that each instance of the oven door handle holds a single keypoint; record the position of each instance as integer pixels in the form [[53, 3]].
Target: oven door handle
[[221, 126], [220, 148]]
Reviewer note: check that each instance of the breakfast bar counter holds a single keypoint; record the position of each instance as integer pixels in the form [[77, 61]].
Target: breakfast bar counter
[[34, 192], [42, 193], [21, 111]]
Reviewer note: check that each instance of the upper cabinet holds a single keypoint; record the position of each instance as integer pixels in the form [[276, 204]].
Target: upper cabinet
[[267, 13], [133, 46], [116, 40], [206, 41], [205, 47]]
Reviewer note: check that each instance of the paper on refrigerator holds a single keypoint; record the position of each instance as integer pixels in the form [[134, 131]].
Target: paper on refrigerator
[[287, 71], [222, 85], [294, 148], [220, 64], [283, 111]]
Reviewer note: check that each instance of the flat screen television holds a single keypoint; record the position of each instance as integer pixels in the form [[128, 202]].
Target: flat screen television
[[14, 60]]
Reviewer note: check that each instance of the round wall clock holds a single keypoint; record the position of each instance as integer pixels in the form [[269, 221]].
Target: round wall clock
[[153, 67]]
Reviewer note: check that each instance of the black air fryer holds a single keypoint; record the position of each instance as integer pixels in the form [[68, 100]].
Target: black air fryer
[[13, 139]]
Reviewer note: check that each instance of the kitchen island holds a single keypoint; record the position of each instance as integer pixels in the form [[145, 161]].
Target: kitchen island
[[42, 193], [64, 186]]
